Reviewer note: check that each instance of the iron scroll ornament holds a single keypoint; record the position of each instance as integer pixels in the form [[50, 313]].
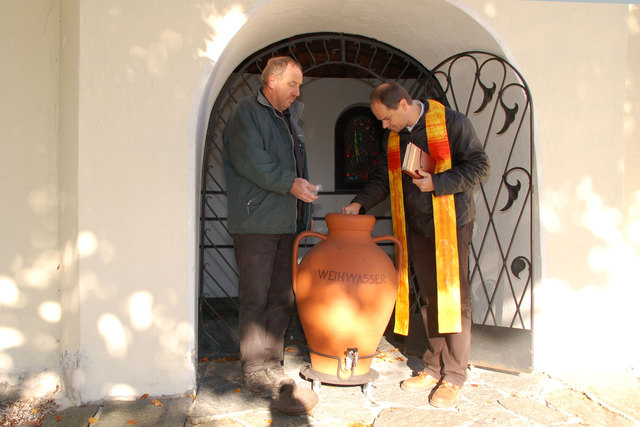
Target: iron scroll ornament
[[513, 190], [488, 91]]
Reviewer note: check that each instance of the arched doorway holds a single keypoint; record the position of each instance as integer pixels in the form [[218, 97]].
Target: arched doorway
[[454, 82], [322, 56]]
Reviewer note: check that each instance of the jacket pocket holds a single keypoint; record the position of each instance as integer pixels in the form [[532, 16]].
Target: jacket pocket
[[255, 199]]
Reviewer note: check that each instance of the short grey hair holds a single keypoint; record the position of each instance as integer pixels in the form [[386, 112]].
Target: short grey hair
[[276, 66]]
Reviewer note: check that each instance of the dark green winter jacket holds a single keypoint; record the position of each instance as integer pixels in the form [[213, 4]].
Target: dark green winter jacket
[[260, 168]]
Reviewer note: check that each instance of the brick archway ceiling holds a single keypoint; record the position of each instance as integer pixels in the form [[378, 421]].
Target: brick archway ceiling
[[340, 56]]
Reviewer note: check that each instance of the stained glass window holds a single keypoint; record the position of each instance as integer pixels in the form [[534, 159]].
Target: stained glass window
[[358, 141]]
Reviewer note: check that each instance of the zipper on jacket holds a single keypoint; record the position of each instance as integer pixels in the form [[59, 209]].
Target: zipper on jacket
[[295, 166], [293, 154]]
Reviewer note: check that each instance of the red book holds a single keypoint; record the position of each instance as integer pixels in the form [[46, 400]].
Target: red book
[[415, 159]]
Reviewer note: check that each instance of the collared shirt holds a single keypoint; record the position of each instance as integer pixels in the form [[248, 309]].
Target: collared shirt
[[410, 128]]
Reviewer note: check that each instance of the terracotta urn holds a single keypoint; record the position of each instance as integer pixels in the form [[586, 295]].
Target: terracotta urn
[[345, 289]]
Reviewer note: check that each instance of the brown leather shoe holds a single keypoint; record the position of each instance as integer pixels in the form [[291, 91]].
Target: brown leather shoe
[[294, 400], [278, 377], [260, 383], [421, 382], [445, 395]]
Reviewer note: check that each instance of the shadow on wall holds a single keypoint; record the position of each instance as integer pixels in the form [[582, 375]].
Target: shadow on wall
[[30, 294], [29, 298]]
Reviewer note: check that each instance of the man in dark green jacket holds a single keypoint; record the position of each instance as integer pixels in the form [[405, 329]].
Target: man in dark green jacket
[[269, 199]]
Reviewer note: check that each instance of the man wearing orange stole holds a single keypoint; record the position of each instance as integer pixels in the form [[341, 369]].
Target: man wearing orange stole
[[433, 218]]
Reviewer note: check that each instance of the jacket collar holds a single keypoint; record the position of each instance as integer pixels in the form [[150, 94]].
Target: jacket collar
[[295, 109]]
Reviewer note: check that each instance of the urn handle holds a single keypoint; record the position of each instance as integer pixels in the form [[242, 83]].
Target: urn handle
[[294, 260], [399, 250]]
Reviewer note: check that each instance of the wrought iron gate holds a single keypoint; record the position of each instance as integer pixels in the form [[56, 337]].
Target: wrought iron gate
[[499, 106], [495, 97]]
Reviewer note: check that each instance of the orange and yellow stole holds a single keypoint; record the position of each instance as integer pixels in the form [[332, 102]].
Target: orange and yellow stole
[[444, 219], [399, 230]]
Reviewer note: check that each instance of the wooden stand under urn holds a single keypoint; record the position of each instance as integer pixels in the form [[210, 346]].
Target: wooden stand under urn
[[345, 289]]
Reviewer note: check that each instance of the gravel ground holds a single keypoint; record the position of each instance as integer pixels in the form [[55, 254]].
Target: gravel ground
[[17, 412]]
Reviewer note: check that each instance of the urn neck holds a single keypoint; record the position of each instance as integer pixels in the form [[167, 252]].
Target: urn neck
[[350, 235], [349, 227]]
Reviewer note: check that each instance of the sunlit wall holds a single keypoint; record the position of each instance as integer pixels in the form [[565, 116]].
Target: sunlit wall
[[29, 252], [581, 73]]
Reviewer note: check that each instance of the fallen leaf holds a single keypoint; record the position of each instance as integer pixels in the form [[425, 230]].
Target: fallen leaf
[[400, 359], [144, 396], [93, 420], [156, 402], [132, 422], [59, 418], [34, 411], [394, 350], [237, 390], [384, 357], [289, 349]]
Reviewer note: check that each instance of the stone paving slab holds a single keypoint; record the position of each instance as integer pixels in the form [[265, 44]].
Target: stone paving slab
[[494, 414], [620, 390], [217, 397], [531, 409], [75, 416], [581, 406], [259, 418], [395, 417], [161, 411]]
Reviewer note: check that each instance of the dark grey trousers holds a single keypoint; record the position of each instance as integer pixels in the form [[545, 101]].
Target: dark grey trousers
[[447, 355], [266, 297]]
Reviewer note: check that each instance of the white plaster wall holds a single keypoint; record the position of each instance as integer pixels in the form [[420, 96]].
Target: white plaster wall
[[631, 130], [138, 68], [577, 71], [29, 300], [137, 82], [319, 119], [68, 117]]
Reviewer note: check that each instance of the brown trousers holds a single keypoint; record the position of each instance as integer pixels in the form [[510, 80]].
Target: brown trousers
[[266, 297], [447, 355]]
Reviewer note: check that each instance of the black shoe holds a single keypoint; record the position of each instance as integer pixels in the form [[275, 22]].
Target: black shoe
[[260, 383]]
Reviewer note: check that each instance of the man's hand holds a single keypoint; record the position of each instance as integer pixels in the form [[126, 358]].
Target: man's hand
[[303, 190], [425, 184], [352, 209]]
